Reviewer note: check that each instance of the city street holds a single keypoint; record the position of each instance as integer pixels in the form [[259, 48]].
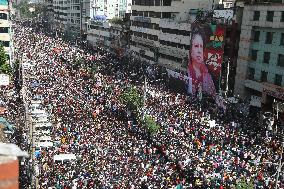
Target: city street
[[82, 136]]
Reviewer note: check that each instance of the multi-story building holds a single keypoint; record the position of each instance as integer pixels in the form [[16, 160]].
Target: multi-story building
[[5, 27], [106, 9], [260, 65], [161, 30], [107, 36], [67, 17]]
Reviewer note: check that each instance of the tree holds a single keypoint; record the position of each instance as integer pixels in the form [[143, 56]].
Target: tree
[[150, 125], [6, 69], [3, 56], [116, 20], [132, 99], [30, 10], [244, 185]]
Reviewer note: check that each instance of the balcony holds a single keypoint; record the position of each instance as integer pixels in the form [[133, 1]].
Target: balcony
[[173, 51], [145, 19], [174, 24], [174, 38], [144, 30], [4, 37], [155, 8], [172, 65], [99, 33], [253, 85], [144, 41], [5, 23]]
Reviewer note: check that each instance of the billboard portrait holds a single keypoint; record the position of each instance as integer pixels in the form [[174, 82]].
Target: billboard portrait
[[205, 58]]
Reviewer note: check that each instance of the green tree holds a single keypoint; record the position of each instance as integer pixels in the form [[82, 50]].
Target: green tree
[[116, 20], [150, 124], [6, 69], [244, 185], [24, 8], [3, 56], [132, 99]]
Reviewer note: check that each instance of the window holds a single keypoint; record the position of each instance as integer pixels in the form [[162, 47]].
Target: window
[[282, 16], [4, 30], [167, 2], [256, 36], [266, 57], [256, 15], [269, 16], [278, 79], [157, 2], [254, 55], [280, 61], [251, 72], [3, 16], [263, 76], [269, 37], [282, 39]]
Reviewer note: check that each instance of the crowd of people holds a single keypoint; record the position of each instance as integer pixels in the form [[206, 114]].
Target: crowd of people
[[12, 125], [81, 90]]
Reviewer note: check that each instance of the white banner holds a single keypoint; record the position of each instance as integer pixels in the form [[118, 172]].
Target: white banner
[[4, 80], [220, 102], [178, 75]]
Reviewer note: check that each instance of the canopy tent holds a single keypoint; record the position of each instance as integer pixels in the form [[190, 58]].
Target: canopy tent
[[4, 122], [3, 2], [100, 17]]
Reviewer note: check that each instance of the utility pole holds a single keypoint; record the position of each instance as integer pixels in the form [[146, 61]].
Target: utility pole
[[280, 163], [227, 78]]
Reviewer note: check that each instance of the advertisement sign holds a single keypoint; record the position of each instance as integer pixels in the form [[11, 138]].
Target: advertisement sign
[[4, 80], [177, 75], [205, 57]]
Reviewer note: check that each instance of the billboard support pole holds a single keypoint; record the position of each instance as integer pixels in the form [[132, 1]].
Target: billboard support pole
[[227, 78]]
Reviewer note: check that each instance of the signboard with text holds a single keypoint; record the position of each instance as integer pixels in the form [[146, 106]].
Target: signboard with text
[[4, 80]]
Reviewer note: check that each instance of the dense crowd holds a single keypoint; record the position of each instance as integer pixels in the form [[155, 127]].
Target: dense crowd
[[80, 89], [12, 125]]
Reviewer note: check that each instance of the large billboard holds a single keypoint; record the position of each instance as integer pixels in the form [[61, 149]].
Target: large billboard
[[205, 58]]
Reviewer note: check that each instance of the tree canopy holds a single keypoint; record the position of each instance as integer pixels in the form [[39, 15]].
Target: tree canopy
[[132, 99], [4, 66], [150, 125], [116, 20]]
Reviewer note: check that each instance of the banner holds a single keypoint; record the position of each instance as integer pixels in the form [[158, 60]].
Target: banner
[[4, 80], [220, 101], [205, 57], [177, 75]]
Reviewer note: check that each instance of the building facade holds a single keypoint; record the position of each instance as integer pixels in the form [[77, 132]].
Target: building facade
[[6, 29], [107, 36], [227, 3], [260, 65], [5, 26], [161, 30], [101, 10], [67, 17]]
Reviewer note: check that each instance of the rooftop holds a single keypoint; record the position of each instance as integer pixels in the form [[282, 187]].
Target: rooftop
[[9, 149]]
